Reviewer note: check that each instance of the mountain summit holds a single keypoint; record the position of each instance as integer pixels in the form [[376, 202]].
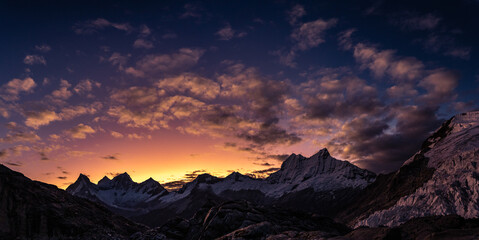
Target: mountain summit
[[321, 171], [121, 192]]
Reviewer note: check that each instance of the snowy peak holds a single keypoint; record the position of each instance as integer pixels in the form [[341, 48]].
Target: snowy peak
[[151, 186], [322, 154], [297, 169], [120, 192], [105, 182], [122, 180], [82, 185], [237, 177]]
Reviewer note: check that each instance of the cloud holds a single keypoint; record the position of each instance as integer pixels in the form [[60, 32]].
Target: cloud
[[80, 131], [135, 136], [338, 96], [157, 63], [385, 62], [381, 144], [414, 22], [440, 85], [190, 84], [262, 173], [143, 43], [270, 133], [20, 137], [116, 134], [93, 26], [305, 36], [310, 34], [459, 52], [62, 93], [110, 157], [11, 90], [116, 59], [14, 164], [85, 86], [71, 112], [77, 154], [192, 11], [43, 48], [169, 36], [144, 31], [35, 119], [296, 13], [43, 156], [188, 177], [227, 33], [34, 59]]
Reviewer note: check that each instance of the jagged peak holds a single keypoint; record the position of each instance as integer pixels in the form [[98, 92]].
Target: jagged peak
[[123, 176], [83, 177], [105, 181], [150, 181], [236, 176], [106, 178], [322, 154]]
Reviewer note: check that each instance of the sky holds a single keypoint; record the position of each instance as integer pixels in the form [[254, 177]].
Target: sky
[[173, 89]]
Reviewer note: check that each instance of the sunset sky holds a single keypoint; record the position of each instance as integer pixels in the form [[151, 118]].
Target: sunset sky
[[171, 89]]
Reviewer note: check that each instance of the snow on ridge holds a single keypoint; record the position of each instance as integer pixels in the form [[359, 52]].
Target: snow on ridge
[[321, 172], [454, 186]]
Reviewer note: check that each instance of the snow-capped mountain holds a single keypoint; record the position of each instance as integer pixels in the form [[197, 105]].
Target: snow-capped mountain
[[319, 178], [320, 172], [120, 192], [451, 156]]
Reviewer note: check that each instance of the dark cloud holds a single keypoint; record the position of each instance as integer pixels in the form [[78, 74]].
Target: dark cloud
[[174, 185], [43, 156], [336, 96], [93, 26], [110, 157], [262, 173], [3, 153], [62, 177], [15, 164], [188, 177], [381, 147], [265, 164], [113, 174], [270, 133]]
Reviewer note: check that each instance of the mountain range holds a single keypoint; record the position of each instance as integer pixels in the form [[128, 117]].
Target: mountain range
[[321, 178], [434, 195]]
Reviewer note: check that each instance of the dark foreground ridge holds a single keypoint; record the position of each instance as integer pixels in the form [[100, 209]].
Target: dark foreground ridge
[[35, 210]]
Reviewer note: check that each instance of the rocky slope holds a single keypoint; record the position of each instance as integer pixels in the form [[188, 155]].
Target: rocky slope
[[242, 220], [35, 210], [441, 179]]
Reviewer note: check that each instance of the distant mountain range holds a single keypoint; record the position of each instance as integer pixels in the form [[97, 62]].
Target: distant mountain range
[[322, 179], [434, 195]]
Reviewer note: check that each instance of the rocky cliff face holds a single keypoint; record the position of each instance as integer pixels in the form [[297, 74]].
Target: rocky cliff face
[[441, 179], [35, 210]]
